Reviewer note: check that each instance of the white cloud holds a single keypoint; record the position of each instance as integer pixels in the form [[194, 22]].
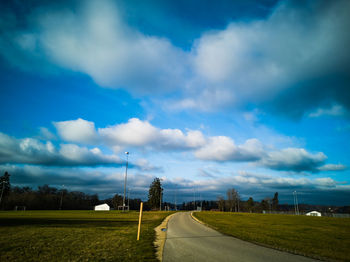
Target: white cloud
[[75, 154], [33, 151], [96, 41], [222, 148], [259, 60], [247, 62], [332, 167], [143, 135], [133, 133], [79, 131], [294, 159], [140, 133]]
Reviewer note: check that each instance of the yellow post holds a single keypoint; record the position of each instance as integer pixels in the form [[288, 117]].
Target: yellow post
[[140, 218]]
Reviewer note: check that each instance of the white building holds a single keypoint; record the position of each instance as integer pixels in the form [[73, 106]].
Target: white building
[[103, 207], [314, 213]]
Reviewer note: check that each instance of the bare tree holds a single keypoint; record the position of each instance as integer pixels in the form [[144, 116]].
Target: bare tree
[[221, 203], [233, 200]]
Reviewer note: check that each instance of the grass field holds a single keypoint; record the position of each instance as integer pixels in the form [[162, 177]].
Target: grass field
[[319, 237], [77, 236]]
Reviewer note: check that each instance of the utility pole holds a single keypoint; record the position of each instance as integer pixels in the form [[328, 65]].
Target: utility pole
[[175, 199], [296, 198], [194, 198], [61, 198], [125, 178], [296, 207]]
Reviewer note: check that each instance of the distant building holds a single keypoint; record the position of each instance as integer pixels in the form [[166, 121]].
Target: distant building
[[314, 214], [103, 207]]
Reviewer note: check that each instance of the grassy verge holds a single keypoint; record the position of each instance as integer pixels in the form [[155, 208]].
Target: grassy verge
[[320, 237], [77, 236]]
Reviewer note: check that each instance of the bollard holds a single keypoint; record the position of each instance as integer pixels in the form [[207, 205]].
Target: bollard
[[140, 218]]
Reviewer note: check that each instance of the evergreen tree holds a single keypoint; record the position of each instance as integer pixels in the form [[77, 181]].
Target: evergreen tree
[[250, 204], [5, 187], [155, 194], [275, 202]]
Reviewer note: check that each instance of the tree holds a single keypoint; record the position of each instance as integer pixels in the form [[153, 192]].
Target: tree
[[5, 186], [155, 194], [266, 204], [250, 204], [275, 202], [233, 200], [221, 203], [117, 200]]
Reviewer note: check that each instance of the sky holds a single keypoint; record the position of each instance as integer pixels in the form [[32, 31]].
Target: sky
[[206, 95]]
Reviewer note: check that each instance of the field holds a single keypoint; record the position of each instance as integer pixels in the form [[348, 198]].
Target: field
[[77, 236], [318, 237]]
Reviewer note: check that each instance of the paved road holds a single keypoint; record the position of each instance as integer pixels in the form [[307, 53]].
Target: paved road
[[188, 240]]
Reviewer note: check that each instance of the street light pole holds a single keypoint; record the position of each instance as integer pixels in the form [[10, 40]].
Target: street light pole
[[125, 178], [128, 198]]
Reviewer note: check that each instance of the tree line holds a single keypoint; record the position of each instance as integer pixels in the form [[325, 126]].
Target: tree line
[[235, 204], [46, 197]]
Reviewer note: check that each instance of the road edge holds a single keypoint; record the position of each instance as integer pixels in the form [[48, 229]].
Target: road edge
[[196, 219], [160, 239]]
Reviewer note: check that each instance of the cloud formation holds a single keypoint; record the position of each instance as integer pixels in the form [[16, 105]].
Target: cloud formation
[[296, 53], [294, 159], [33, 151], [134, 133], [94, 40], [143, 135], [107, 183], [260, 186], [78, 131], [332, 167], [221, 148]]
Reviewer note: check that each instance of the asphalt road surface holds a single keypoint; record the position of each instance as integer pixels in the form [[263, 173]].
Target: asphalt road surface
[[188, 240]]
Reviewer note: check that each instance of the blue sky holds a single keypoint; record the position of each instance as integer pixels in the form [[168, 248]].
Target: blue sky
[[251, 95]]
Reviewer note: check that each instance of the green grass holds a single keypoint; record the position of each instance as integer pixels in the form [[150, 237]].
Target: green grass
[[319, 237], [77, 236]]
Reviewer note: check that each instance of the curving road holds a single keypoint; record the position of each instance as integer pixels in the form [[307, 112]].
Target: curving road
[[188, 240]]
